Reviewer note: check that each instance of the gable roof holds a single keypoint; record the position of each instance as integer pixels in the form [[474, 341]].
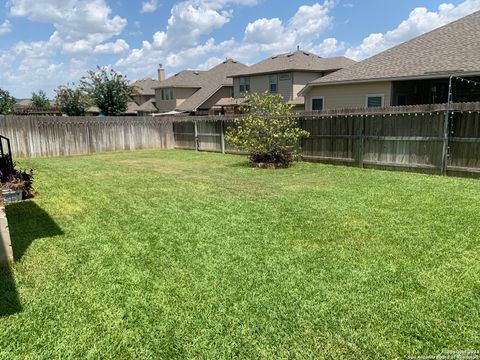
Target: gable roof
[[146, 86], [184, 79], [296, 61], [207, 83], [148, 106], [452, 48]]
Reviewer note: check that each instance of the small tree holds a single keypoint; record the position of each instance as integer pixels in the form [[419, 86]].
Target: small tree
[[109, 91], [72, 101], [268, 131], [7, 103], [40, 100]]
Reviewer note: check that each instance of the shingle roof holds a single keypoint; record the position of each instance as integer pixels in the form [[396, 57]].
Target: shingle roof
[[146, 86], [452, 48], [186, 78], [132, 108], [296, 61], [148, 106], [208, 82]]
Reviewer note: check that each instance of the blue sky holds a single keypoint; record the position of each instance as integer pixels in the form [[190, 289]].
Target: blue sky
[[47, 43]]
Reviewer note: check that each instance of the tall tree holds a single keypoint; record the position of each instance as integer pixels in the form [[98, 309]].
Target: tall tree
[[40, 100], [7, 103], [72, 101], [109, 90]]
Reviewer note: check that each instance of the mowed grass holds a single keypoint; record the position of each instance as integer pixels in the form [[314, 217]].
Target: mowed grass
[[177, 254]]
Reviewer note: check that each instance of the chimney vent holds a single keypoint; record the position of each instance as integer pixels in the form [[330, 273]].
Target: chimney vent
[[161, 72]]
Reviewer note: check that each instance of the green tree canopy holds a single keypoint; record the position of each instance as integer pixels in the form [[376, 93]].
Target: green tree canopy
[[268, 131], [109, 90], [7, 103], [40, 100], [72, 101]]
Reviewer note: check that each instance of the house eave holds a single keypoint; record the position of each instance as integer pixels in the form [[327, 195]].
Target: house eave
[[281, 71], [427, 76]]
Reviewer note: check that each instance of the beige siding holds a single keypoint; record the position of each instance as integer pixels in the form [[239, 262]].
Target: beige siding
[[224, 92], [348, 95], [261, 83], [300, 79], [180, 95]]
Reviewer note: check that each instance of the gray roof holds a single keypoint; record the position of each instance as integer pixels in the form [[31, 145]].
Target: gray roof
[[453, 48], [296, 61], [148, 106], [207, 82], [146, 86], [186, 78]]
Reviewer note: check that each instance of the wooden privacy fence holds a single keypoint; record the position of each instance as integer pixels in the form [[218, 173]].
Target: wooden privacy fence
[[35, 136], [437, 139]]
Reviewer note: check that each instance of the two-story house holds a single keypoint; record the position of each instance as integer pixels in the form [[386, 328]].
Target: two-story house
[[197, 92], [286, 74], [429, 69]]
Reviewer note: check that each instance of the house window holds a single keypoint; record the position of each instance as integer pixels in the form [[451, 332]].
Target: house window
[[273, 83], [167, 94], [244, 84], [317, 104], [375, 101], [285, 76]]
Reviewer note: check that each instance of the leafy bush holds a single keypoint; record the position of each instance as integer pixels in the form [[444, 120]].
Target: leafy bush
[[109, 91], [7, 103], [268, 131], [72, 101], [13, 179], [40, 100]]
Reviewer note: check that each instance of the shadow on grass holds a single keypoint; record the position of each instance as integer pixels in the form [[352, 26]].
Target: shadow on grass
[[241, 164], [27, 222]]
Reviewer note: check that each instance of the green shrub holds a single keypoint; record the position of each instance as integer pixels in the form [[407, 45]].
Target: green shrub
[[268, 131]]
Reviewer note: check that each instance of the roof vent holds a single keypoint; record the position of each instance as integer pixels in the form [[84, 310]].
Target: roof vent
[[196, 73]]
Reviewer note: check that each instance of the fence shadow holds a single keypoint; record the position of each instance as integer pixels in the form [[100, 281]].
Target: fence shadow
[[9, 299], [27, 222]]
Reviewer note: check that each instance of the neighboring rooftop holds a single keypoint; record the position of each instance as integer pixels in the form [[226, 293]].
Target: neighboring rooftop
[[146, 86], [452, 48], [296, 61], [207, 82], [148, 106]]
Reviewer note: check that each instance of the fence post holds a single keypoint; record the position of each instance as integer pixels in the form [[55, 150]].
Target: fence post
[[445, 143], [222, 135], [360, 139], [196, 135]]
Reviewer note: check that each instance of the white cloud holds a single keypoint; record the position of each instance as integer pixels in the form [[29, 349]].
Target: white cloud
[[264, 31], [328, 47], [118, 47], [419, 21], [149, 6], [80, 24], [5, 27]]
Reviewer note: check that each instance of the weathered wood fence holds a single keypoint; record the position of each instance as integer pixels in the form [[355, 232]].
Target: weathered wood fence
[[35, 136], [437, 139]]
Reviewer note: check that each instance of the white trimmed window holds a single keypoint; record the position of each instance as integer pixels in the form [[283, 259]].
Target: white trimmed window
[[167, 94], [375, 100], [318, 103], [244, 85], [274, 83]]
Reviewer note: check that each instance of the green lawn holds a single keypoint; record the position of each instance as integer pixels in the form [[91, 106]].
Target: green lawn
[[177, 254]]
